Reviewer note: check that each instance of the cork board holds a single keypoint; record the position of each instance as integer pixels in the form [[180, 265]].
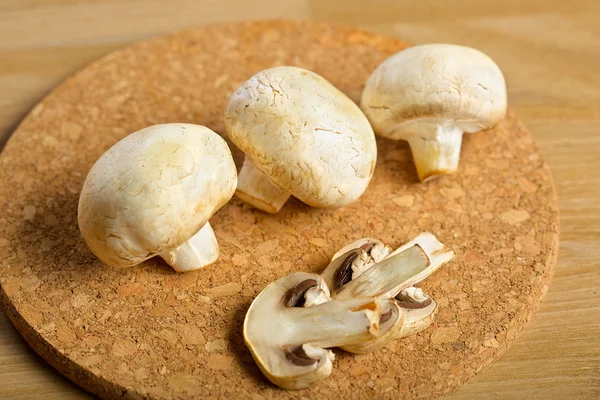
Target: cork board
[[148, 332]]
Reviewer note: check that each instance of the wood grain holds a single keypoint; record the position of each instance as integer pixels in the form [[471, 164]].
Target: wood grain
[[550, 53]]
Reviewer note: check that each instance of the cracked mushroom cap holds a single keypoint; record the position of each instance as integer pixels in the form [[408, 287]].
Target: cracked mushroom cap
[[304, 134], [153, 191], [289, 342]]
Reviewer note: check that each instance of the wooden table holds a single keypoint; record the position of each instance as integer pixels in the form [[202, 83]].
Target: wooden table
[[549, 51]]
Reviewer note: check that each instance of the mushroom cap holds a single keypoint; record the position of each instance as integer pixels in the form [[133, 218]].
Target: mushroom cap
[[153, 191], [433, 83], [307, 136]]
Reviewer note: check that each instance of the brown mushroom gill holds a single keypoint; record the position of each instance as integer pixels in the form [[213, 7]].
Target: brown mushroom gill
[[343, 272], [368, 247], [385, 316], [413, 305], [298, 356], [295, 297]]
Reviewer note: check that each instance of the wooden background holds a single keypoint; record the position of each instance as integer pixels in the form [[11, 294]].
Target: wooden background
[[549, 51]]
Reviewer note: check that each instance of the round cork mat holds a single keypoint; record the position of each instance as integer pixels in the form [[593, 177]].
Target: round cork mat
[[149, 332]]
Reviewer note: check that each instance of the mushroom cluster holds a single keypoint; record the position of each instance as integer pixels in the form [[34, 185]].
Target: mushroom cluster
[[153, 192], [364, 299]]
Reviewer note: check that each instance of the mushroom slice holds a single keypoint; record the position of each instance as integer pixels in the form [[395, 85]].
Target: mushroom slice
[[429, 95], [289, 342], [392, 277], [152, 193], [339, 272]]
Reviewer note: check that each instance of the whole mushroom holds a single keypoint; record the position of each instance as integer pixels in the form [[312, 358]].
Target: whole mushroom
[[429, 95], [153, 192], [302, 137]]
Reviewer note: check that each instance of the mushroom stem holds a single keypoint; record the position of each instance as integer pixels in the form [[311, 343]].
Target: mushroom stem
[[339, 323], [199, 251], [436, 150], [407, 265], [391, 275], [257, 190]]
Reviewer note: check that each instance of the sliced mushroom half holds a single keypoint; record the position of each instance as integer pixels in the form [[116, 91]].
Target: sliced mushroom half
[[289, 342], [392, 277], [414, 265]]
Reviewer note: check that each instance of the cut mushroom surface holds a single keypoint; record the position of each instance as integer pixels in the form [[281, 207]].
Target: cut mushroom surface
[[429, 95], [152, 193], [289, 342], [292, 323], [302, 137], [392, 277]]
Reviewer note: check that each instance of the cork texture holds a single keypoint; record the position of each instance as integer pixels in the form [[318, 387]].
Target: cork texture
[[147, 332]]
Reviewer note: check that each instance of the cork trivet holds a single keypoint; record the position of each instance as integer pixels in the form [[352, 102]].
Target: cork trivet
[[149, 332]]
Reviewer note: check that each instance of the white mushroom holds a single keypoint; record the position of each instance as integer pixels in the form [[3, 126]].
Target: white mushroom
[[429, 95], [289, 342], [153, 192], [302, 137]]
